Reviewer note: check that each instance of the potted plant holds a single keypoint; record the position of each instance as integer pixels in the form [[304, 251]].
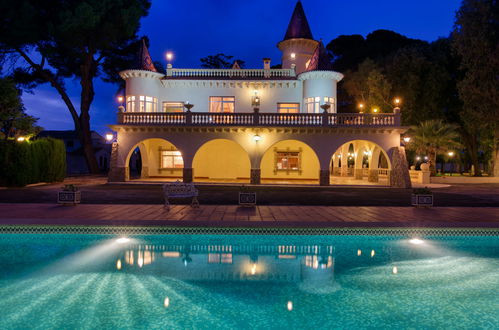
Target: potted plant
[[247, 197], [422, 197], [69, 195]]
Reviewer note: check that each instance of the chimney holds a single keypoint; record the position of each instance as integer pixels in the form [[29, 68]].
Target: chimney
[[266, 63]]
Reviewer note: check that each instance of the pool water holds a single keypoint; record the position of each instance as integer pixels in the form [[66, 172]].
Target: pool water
[[257, 282]]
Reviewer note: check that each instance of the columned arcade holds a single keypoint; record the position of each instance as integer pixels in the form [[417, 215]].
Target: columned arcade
[[281, 155]]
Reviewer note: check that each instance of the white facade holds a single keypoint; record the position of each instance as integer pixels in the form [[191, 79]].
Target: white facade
[[254, 125]]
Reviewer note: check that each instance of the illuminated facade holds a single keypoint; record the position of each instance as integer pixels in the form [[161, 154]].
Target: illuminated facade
[[253, 125]]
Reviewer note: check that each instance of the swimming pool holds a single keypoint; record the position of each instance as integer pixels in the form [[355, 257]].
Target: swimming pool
[[248, 281]]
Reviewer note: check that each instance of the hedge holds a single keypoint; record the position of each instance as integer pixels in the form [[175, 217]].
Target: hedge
[[41, 160]]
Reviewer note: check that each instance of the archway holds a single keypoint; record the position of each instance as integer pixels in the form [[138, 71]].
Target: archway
[[360, 162], [155, 159], [290, 161], [221, 160]]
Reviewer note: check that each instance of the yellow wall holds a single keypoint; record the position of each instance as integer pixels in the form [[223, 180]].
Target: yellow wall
[[153, 147], [221, 159], [310, 165]]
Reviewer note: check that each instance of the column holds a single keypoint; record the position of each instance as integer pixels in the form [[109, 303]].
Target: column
[[117, 173], [324, 177], [255, 176], [187, 174], [344, 159]]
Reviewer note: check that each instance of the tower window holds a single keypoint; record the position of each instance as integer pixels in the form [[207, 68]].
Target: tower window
[[148, 104], [312, 104]]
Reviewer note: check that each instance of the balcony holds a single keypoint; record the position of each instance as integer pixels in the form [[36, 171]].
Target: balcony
[[203, 119]]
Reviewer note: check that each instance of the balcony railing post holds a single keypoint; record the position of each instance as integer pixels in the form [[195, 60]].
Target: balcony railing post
[[121, 115], [396, 116], [188, 117], [256, 116], [325, 118]]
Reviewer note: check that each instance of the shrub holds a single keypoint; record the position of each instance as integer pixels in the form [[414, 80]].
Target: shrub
[[22, 163]]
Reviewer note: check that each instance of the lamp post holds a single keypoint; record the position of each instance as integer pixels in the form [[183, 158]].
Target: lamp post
[[451, 156], [361, 107]]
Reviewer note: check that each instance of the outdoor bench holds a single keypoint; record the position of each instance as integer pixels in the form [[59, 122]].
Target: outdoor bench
[[180, 190]]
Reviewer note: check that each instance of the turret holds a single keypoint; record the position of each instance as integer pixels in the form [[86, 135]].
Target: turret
[[298, 44]]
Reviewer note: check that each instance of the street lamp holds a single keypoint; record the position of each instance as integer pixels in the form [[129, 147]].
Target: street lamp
[[375, 110], [397, 101]]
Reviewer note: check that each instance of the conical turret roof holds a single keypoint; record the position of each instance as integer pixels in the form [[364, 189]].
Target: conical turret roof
[[298, 25], [144, 59], [320, 59]]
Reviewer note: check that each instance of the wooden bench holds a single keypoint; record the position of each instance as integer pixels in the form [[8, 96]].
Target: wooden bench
[[180, 190]]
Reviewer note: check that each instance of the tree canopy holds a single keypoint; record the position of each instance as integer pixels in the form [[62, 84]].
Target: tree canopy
[[59, 39], [219, 61], [14, 121]]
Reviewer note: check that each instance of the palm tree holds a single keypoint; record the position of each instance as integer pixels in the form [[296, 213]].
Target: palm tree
[[433, 137]]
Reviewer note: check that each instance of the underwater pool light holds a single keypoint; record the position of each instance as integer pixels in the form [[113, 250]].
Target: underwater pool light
[[416, 241], [122, 240]]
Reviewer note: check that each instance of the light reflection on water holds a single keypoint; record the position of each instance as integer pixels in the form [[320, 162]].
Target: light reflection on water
[[238, 281]]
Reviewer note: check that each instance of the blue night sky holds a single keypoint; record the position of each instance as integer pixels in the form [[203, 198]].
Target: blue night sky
[[248, 30]]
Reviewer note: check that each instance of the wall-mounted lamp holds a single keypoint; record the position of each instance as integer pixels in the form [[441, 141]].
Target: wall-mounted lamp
[[109, 137], [293, 56], [255, 99], [257, 138]]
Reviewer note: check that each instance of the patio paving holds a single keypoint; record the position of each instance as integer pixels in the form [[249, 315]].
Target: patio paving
[[233, 215]]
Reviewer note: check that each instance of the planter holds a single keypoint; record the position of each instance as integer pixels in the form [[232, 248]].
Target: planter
[[69, 197], [422, 200], [247, 198]]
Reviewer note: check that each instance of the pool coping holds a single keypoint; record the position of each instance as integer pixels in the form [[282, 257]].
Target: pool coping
[[244, 230]]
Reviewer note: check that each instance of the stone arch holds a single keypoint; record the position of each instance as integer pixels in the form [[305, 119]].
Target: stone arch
[[363, 163], [221, 160], [159, 157], [290, 160]]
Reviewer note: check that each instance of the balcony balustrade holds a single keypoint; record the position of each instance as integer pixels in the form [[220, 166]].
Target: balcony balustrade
[[231, 73], [260, 119]]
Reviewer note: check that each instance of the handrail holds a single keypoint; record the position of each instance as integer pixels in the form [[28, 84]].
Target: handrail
[[260, 119], [243, 73]]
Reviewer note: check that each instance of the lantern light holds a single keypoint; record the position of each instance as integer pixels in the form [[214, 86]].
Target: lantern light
[[407, 139], [109, 137], [257, 138]]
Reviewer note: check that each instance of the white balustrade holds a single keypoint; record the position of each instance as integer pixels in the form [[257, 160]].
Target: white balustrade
[[242, 73], [258, 119]]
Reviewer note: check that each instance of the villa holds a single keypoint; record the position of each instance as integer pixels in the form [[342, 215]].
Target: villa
[[254, 125]]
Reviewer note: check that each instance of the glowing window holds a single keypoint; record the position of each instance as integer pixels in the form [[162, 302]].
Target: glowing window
[[171, 159], [173, 107], [289, 161], [130, 103], [288, 107], [148, 104], [312, 104], [222, 103], [330, 101]]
